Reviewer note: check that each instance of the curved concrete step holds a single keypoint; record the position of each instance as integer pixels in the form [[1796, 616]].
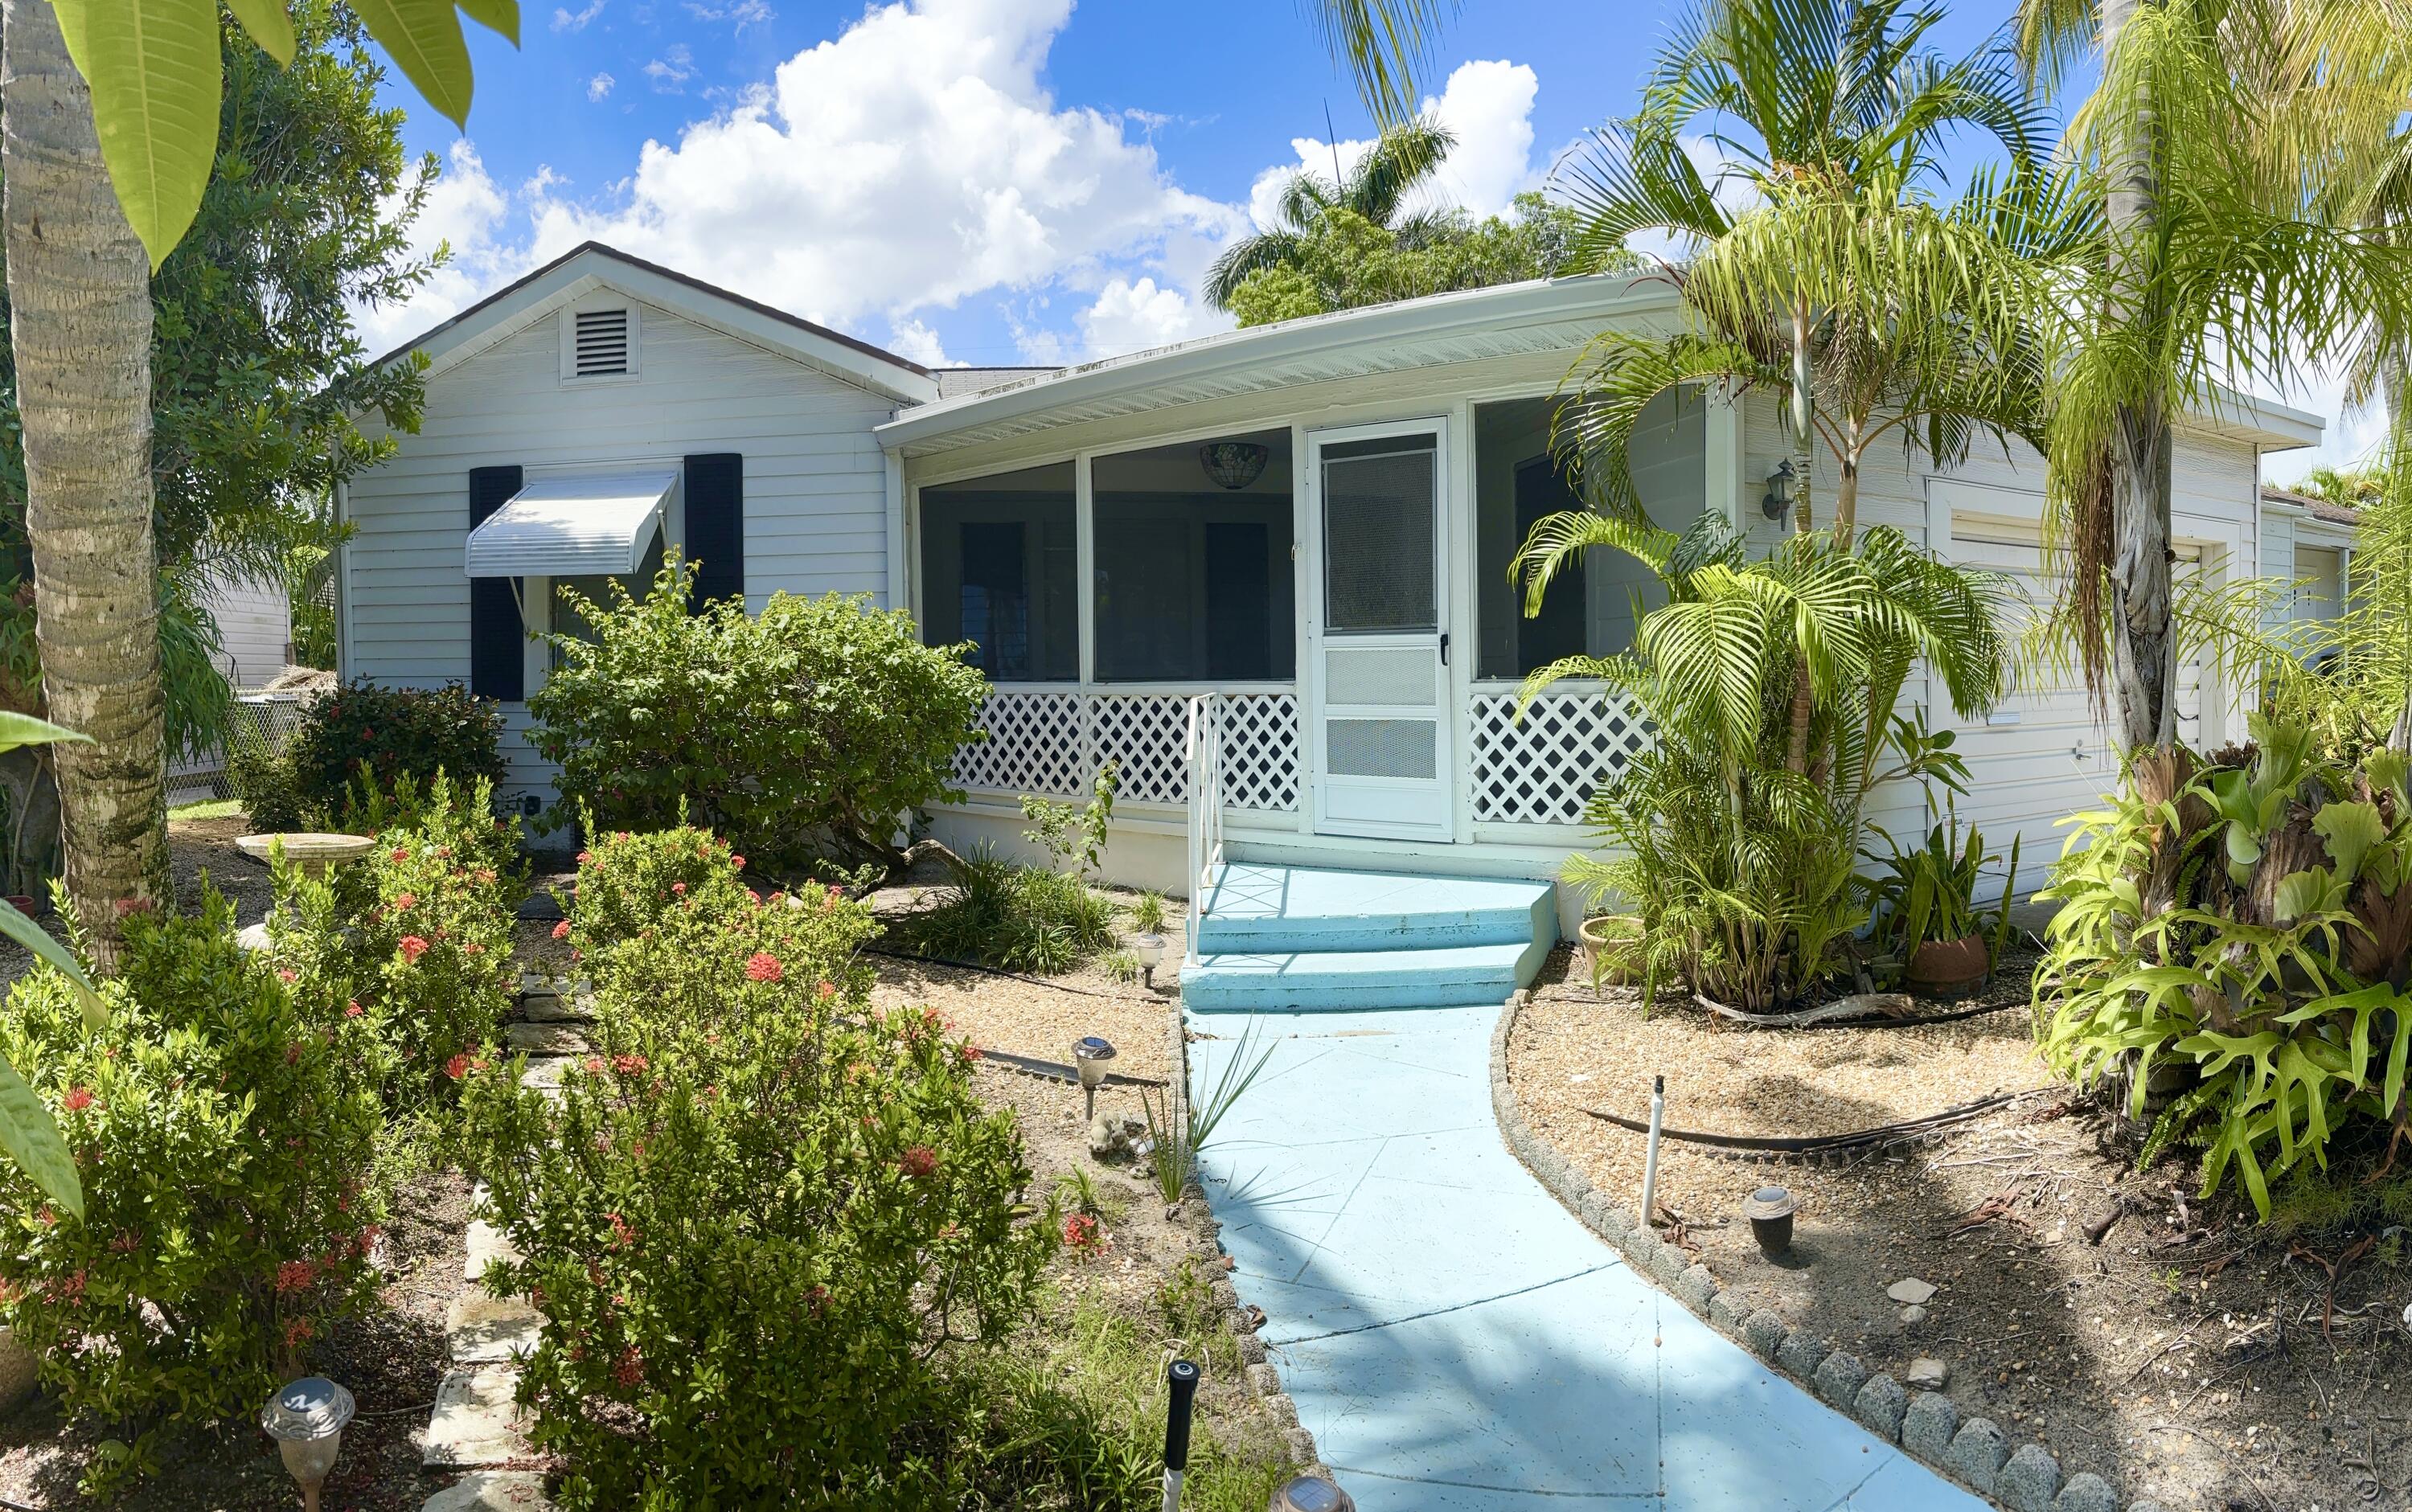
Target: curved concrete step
[[1273, 910], [1450, 977]]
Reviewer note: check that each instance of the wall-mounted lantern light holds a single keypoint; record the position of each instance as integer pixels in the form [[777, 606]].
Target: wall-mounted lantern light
[[1779, 490]]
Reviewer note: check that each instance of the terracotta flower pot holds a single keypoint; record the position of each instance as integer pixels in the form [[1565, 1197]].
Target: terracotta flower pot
[[1612, 949], [1948, 968]]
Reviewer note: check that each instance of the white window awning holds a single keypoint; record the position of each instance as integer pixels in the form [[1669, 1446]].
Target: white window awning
[[577, 526]]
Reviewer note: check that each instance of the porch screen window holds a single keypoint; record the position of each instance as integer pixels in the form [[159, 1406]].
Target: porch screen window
[[1594, 604], [1194, 583], [999, 568]]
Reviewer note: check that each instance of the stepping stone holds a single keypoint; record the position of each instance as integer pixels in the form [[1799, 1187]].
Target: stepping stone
[[546, 1038], [252, 937], [486, 1244], [492, 1490], [551, 1009], [483, 1329], [1912, 1292], [476, 1423], [544, 1075]]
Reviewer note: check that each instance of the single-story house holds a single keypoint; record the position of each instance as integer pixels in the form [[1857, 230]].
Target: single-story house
[[2307, 541], [1311, 520]]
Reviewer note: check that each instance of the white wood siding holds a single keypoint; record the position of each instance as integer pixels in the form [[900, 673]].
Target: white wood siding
[[253, 630], [815, 494]]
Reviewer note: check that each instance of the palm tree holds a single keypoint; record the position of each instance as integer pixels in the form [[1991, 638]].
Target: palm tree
[[1830, 101], [1400, 160], [2214, 142], [80, 303]]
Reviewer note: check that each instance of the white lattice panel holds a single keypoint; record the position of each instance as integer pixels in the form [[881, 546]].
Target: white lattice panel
[[1053, 744], [1544, 768], [1034, 745], [1262, 764], [1149, 734]]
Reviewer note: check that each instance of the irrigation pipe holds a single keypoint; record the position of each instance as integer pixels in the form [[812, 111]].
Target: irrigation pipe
[[1011, 975], [1882, 1134]]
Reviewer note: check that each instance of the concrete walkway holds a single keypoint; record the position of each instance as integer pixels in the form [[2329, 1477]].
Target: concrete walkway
[[1454, 1339]]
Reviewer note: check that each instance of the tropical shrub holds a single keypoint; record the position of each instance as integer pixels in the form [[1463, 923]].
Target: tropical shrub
[[1037, 918], [362, 728], [627, 881], [224, 1120], [1927, 893], [263, 781], [808, 733], [2247, 921], [763, 1221], [1770, 684]]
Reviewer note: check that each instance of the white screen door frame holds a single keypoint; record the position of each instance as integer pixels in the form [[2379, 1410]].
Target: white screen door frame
[[1381, 729]]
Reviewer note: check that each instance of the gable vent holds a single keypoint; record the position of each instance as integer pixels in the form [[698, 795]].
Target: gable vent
[[600, 344]]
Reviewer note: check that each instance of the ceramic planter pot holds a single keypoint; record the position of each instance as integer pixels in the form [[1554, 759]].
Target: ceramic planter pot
[[1612, 949], [1948, 968]]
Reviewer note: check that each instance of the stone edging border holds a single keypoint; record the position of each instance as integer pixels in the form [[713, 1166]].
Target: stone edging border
[[1927, 1426], [1264, 1381]]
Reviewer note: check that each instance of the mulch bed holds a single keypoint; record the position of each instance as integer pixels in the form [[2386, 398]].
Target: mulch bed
[[2190, 1355]]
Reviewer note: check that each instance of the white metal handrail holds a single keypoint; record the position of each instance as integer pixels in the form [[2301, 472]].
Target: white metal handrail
[[1205, 757]]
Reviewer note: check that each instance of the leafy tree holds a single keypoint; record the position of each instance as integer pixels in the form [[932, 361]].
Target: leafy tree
[[2354, 487], [1373, 193], [1346, 260]]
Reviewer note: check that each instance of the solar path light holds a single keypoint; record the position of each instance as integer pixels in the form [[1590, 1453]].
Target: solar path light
[[306, 1419], [1090, 1054]]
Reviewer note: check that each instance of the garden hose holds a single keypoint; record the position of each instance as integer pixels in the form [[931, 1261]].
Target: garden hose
[[1811, 1147]]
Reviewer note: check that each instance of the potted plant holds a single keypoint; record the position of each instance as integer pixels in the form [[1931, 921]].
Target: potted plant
[[1612, 949], [1927, 912]]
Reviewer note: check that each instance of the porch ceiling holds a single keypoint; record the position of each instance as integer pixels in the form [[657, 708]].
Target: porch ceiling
[[1515, 319]]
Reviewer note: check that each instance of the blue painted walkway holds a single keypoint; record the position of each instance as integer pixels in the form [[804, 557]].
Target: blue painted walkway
[[1459, 1343]]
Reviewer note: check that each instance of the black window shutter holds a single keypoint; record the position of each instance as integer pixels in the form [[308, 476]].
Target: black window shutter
[[497, 640], [715, 525]]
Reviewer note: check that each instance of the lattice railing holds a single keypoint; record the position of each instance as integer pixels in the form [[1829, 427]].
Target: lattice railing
[[1544, 768], [1053, 742]]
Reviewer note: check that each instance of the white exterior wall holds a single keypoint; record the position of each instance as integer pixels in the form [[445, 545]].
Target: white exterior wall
[[816, 484], [254, 630]]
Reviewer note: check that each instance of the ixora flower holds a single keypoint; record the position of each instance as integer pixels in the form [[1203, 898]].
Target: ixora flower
[[406, 902], [412, 948], [561, 931], [762, 967], [1081, 1232], [352, 1009], [737, 863], [457, 1068], [77, 1099], [917, 1162], [401, 853]]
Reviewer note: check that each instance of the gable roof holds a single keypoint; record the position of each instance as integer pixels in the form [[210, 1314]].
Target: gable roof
[[2318, 508], [592, 265]]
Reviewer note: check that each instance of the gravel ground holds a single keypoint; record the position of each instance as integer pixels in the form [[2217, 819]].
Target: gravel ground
[[2182, 1357]]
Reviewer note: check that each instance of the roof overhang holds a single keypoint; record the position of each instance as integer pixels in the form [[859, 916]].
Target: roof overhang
[[1558, 315], [2265, 422], [592, 266], [578, 525]]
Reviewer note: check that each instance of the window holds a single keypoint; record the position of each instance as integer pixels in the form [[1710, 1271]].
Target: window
[[597, 590], [1194, 583], [1000, 568], [1593, 605]]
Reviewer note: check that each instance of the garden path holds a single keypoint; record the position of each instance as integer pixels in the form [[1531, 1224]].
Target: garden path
[[1455, 1340]]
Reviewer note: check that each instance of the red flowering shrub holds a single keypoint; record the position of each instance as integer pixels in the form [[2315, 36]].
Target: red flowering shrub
[[754, 1207], [224, 1123]]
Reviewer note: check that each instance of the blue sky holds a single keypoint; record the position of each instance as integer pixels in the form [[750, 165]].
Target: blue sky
[[970, 180]]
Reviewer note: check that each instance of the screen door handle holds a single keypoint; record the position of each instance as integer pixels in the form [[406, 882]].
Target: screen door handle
[[1444, 648]]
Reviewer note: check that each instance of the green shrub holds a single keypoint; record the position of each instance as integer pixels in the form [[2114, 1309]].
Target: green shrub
[[756, 1215], [626, 881], [224, 1123], [263, 781], [808, 733], [419, 934], [1043, 919], [2250, 923], [391, 733]]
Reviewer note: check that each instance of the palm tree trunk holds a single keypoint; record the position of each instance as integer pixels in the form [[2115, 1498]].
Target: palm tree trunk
[[2143, 630], [79, 298]]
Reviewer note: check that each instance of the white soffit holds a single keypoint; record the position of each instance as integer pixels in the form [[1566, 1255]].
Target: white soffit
[[579, 525]]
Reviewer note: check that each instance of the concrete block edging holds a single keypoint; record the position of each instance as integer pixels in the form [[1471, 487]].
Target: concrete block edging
[[1877, 1402]]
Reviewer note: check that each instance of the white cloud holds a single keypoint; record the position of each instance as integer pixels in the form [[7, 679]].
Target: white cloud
[[565, 21], [1130, 316], [465, 212], [600, 86], [1489, 104], [670, 71], [916, 342], [913, 161], [740, 14]]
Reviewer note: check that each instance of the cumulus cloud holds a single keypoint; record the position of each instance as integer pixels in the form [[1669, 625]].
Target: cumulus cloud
[[1130, 316], [464, 216], [916, 342], [600, 86], [1489, 104]]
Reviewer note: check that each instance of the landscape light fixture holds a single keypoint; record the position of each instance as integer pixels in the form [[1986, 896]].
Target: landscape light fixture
[[1090, 1054], [1769, 1210], [1148, 949], [306, 1419], [1310, 1493], [1779, 490]]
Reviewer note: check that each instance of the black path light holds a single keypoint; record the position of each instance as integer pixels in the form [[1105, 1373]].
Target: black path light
[[1769, 1210], [1181, 1377]]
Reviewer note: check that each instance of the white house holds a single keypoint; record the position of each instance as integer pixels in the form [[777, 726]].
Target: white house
[[1311, 521]]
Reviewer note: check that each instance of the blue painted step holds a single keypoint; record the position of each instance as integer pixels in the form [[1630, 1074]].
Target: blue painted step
[[1445, 976], [1281, 909], [1280, 937]]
